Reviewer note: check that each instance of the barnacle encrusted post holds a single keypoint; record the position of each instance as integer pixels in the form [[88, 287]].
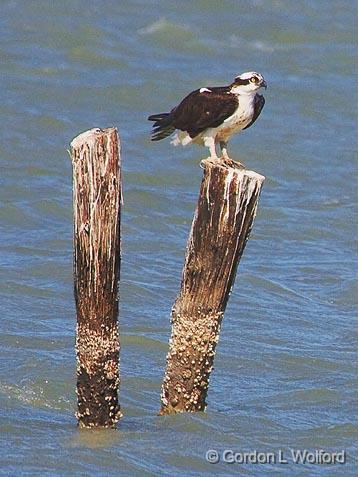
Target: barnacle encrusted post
[[97, 254], [221, 226]]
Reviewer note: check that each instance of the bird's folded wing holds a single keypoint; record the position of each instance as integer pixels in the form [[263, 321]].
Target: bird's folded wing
[[258, 105], [202, 110]]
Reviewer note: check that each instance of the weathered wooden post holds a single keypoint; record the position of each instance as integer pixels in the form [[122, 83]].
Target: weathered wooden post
[[97, 254], [221, 226]]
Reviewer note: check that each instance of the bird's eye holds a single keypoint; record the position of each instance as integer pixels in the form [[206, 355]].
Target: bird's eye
[[253, 79]]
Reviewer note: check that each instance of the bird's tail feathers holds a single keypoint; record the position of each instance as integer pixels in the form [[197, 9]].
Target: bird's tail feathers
[[158, 117], [162, 126]]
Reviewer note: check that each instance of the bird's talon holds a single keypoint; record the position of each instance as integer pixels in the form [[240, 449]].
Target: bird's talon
[[214, 160]]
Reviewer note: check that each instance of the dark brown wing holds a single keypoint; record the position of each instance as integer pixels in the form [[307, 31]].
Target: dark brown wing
[[200, 111], [259, 104]]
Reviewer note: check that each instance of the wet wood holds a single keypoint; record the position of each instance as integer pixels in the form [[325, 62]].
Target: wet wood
[[96, 202], [221, 226]]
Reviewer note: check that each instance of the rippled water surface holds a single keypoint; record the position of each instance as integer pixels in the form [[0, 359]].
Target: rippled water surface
[[285, 371]]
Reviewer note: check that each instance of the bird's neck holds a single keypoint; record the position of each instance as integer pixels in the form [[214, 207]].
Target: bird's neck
[[245, 100], [239, 90]]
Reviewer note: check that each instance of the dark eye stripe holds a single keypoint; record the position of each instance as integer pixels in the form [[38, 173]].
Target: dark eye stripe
[[242, 81]]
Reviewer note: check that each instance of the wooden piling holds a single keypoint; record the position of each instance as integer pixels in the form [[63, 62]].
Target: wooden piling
[[97, 254], [221, 226]]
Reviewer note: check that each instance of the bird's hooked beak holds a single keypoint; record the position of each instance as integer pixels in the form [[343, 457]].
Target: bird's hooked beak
[[263, 84]]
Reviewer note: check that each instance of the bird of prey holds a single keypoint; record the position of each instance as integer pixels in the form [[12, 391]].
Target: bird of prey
[[211, 115]]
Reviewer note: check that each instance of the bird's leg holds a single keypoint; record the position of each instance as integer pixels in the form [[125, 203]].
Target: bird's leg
[[225, 155], [210, 143], [223, 147]]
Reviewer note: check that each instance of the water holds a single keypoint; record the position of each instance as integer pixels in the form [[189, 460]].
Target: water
[[285, 371]]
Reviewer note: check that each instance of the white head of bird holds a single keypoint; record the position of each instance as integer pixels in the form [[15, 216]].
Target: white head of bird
[[248, 83]]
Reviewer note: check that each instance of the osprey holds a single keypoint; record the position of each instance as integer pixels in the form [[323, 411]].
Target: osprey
[[209, 116]]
